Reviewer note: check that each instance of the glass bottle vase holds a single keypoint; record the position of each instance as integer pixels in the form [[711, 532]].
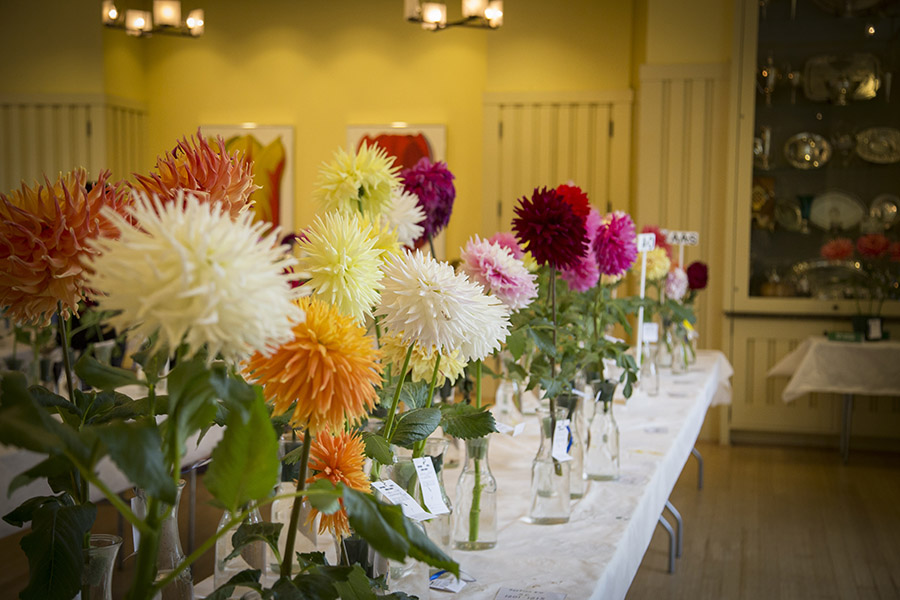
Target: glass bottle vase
[[550, 477], [475, 516], [98, 569], [648, 375], [251, 556], [573, 405], [170, 553], [601, 461]]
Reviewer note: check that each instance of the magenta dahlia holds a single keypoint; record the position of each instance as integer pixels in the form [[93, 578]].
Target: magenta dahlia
[[615, 245], [548, 227], [432, 183], [586, 272], [508, 241]]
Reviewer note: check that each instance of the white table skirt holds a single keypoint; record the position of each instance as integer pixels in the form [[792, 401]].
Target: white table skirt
[[821, 365], [598, 552]]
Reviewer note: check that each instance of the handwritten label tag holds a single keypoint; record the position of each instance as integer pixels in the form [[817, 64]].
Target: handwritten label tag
[[646, 242], [447, 584], [561, 441], [431, 488], [397, 495], [513, 594], [509, 430], [683, 238], [651, 332]]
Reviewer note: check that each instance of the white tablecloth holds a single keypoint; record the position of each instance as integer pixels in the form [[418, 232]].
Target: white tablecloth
[[821, 365]]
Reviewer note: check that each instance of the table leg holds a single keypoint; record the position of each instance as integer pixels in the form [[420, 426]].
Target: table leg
[[668, 528], [845, 427], [680, 522], [699, 458]]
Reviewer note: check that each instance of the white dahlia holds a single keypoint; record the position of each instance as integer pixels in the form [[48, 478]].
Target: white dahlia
[[360, 182], [342, 260], [432, 305], [190, 273], [405, 216]]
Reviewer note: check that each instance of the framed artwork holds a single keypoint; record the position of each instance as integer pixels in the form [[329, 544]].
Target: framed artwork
[[271, 148], [407, 144]]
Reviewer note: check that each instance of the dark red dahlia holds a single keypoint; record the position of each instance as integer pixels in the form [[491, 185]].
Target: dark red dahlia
[[548, 227], [432, 183], [698, 275], [576, 198]]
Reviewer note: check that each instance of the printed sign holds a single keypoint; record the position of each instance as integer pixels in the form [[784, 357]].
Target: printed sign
[[646, 242], [683, 238]]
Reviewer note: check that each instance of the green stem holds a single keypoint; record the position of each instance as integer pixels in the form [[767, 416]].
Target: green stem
[[478, 383], [67, 358], [113, 498], [419, 447], [298, 503], [389, 424], [475, 509], [145, 566], [431, 245]]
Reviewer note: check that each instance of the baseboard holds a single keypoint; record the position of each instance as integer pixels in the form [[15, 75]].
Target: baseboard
[[815, 440]]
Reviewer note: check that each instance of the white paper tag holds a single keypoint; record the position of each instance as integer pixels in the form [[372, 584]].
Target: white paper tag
[[683, 238], [513, 594], [646, 242], [874, 327], [431, 488], [509, 430], [561, 441], [447, 584], [397, 495], [651, 332]]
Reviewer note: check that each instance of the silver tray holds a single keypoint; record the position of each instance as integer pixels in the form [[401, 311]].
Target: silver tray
[[879, 145], [828, 279], [841, 79], [807, 151]]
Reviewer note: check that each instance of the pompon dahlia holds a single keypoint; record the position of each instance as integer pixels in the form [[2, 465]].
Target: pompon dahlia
[[339, 458], [676, 284], [421, 361], [585, 274], [698, 275], [432, 184], [405, 216], [427, 302], [508, 241], [195, 276], [502, 275], [208, 173], [358, 182], [44, 238], [615, 244], [576, 198], [342, 261], [837, 249], [550, 229], [660, 238], [658, 264], [329, 369]]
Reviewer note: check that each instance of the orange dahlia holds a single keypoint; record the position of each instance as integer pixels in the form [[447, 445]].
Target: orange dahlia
[[210, 174], [43, 243], [329, 369], [339, 459]]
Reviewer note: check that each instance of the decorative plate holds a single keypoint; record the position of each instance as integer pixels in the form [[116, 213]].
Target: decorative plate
[[880, 145], [885, 209], [787, 215], [836, 210], [807, 151]]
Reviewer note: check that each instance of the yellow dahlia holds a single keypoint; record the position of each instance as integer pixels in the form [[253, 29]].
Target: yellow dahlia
[[329, 369], [43, 239], [338, 458], [421, 362], [343, 263], [209, 174], [384, 236], [360, 182], [658, 264]]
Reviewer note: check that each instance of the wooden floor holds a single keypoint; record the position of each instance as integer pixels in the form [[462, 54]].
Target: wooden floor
[[771, 523]]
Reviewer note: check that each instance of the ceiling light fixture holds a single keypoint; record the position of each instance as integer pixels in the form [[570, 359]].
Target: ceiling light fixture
[[486, 14], [165, 18]]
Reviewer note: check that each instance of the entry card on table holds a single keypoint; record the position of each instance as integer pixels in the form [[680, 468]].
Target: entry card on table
[[397, 495], [513, 594], [431, 489], [560, 448]]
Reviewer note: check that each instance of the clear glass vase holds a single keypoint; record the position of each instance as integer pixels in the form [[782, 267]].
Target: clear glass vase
[[98, 569], [574, 404], [507, 401], [251, 556], [550, 477], [475, 515], [648, 376], [601, 460], [170, 553], [681, 351]]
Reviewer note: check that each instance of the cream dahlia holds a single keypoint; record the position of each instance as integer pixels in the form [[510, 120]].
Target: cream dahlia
[[197, 277], [360, 182], [421, 361], [342, 262]]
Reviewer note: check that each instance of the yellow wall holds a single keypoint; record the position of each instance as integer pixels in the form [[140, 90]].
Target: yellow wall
[[699, 31]]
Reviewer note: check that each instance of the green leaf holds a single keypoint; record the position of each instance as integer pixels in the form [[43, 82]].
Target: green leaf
[[49, 468], [464, 421], [48, 399], [415, 425], [102, 376], [234, 392], [544, 341], [54, 550], [22, 423], [151, 363], [356, 587], [245, 462], [378, 448], [136, 448], [324, 496], [248, 533], [413, 395], [317, 586], [515, 343], [247, 578], [25, 511]]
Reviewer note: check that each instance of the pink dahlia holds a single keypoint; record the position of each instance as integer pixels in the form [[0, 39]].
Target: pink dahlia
[[548, 227], [660, 238], [676, 284], [508, 241], [872, 245], [615, 244], [586, 273], [837, 249], [501, 274], [432, 183]]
